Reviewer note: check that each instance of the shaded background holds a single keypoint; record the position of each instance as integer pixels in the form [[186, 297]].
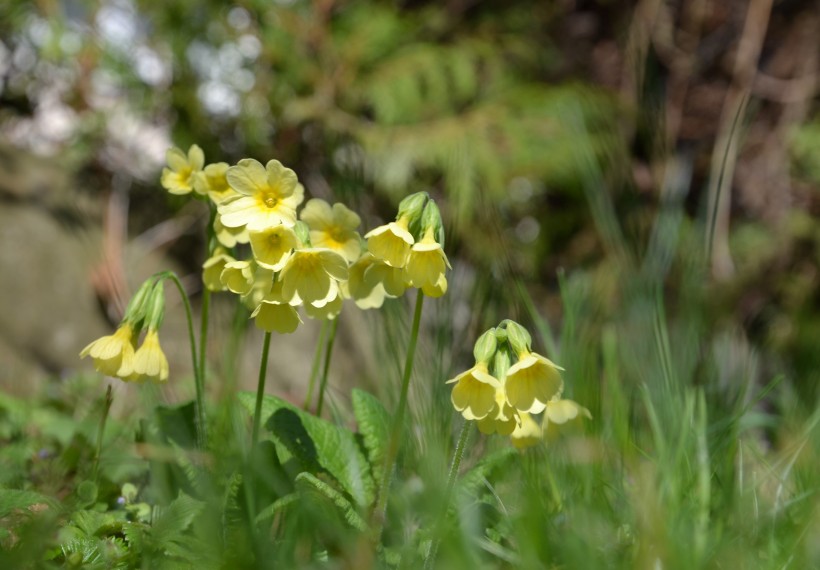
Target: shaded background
[[607, 143]]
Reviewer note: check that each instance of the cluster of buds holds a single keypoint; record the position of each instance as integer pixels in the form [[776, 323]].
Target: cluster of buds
[[509, 385], [117, 354], [313, 258]]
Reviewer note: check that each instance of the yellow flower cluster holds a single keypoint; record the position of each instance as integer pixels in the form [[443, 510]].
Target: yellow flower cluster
[[509, 384], [312, 259], [117, 354]]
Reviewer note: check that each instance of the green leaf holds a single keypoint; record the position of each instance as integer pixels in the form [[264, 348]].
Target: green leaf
[[13, 499], [176, 518], [279, 505], [312, 487], [317, 442], [475, 477], [374, 425]]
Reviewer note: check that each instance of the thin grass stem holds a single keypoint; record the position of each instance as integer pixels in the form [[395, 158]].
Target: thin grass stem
[[198, 384], [101, 431], [379, 514], [314, 367], [326, 366], [260, 390], [451, 483]]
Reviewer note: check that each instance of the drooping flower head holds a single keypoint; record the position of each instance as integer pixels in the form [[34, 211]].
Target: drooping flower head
[[270, 195], [528, 433], [150, 362], [532, 381], [562, 416], [391, 242], [179, 176], [114, 354], [333, 228], [475, 389]]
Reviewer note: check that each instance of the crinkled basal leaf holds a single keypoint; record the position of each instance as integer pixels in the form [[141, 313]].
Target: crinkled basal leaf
[[13, 499], [333, 448], [174, 519], [374, 425], [307, 484]]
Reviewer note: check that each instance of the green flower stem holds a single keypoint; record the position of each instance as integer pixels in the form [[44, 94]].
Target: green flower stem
[[260, 390], [451, 483], [198, 384], [314, 368], [328, 351], [380, 512], [101, 430], [203, 343]]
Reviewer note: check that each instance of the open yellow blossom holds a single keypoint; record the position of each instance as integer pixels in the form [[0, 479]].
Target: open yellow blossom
[[238, 276], [392, 278], [474, 392], [426, 262], [361, 286], [391, 242], [328, 310], [308, 273], [150, 362], [532, 382], [272, 246], [213, 182], [437, 290], [229, 237], [213, 267], [561, 416], [276, 317], [113, 354], [269, 195], [333, 228], [179, 178], [527, 433], [502, 419]]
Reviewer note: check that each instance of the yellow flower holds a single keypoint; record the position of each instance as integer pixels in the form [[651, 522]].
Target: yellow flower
[[527, 433], [561, 415], [272, 246], [502, 419], [309, 273], [328, 310], [113, 354], [229, 237], [426, 262], [437, 290], [237, 276], [333, 228], [474, 392], [213, 267], [149, 361], [532, 382], [213, 182], [279, 317], [179, 178], [391, 242], [269, 195], [362, 286]]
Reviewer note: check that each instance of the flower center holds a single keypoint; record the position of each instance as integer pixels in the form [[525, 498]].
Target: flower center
[[270, 202]]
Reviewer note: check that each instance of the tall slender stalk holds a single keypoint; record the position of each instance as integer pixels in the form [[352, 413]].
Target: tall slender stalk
[[451, 482], [379, 513], [326, 366], [260, 390], [314, 368], [198, 384], [101, 431]]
